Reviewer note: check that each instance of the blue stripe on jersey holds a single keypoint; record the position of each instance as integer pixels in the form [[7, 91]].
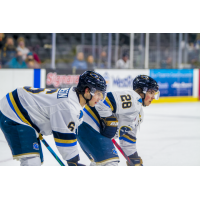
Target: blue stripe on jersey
[[93, 116], [112, 101], [9, 102], [66, 144], [19, 110], [23, 110], [127, 140], [64, 139], [105, 102], [36, 83]]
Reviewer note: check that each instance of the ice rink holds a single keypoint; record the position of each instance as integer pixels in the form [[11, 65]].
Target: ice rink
[[169, 136]]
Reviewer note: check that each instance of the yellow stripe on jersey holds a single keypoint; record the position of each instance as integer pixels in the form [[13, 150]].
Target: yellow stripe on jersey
[[109, 103], [92, 113], [17, 109], [127, 137], [64, 141]]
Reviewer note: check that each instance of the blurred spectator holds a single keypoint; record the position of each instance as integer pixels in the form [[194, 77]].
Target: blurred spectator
[[17, 61], [193, 55], [104, 59], [123, 63], [1, 45], [8, 51], [90, 63], [79, 62], [2, 36], [21, 47], [31, 62], [35, 55], [166, 63]]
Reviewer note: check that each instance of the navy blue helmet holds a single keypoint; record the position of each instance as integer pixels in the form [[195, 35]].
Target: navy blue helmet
[[93, 80], [145, 83]]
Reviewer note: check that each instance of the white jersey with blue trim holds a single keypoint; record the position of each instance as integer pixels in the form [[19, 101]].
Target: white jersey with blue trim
[[127, 107], [56, 112]]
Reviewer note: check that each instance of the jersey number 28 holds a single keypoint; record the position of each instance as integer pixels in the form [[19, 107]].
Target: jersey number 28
[[126, 101]]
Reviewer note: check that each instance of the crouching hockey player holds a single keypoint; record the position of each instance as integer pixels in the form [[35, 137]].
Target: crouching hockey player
[[124, 107], [27, 111]]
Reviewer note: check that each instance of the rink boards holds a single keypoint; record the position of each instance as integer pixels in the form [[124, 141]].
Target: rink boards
[[175, 85]]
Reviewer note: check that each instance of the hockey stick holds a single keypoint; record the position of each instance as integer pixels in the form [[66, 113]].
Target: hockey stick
[[122, 152], [51, 150]]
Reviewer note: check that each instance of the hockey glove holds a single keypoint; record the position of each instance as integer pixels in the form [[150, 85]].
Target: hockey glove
[[135, 159], [109, 126], [74, 161]]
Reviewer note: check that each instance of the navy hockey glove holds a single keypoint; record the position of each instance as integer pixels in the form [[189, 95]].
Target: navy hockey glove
[[135, 159], [74, 161], [109, 125]]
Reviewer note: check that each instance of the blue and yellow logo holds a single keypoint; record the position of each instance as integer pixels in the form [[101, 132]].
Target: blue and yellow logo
[[94, 75]]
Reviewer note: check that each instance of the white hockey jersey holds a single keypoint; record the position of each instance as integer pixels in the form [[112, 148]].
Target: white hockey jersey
[[56, 112], [127, 107]]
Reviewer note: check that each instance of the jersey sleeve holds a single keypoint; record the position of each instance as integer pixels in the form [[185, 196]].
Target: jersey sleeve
[[64, 124], [128, 127]]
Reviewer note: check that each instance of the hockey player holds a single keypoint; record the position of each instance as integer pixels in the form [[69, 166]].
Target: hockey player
[[126, 106], [27, 111]]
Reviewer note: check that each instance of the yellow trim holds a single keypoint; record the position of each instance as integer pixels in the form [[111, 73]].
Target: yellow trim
[[64, 141], [126, 136], [109, 103], [107, 160], [50, 90], [34, 89], [73, 163], [17, 109], [40, 137], [91, 112], [176, 99], [14, 156]]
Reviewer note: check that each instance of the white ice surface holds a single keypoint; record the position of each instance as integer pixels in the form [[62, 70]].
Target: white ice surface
[[169, 136]]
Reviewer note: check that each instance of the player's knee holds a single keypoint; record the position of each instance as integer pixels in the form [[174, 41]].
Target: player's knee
[[30, 161]]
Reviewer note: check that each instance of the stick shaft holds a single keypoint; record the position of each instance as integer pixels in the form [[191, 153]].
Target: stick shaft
[[122, 152], [51, 150]]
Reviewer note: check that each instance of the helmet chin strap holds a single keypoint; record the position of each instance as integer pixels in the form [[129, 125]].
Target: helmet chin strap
[[143, 100], [87, 100]]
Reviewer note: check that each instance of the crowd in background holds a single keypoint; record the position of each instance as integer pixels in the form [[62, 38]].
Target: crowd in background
[[15, 54]]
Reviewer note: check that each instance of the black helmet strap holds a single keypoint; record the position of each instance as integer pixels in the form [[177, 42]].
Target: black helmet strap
[[87, 100], [144, 92], [143, 100]]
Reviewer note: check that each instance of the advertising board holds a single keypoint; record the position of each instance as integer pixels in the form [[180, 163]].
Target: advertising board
[[120, 79], [61, 78], [174, 82]]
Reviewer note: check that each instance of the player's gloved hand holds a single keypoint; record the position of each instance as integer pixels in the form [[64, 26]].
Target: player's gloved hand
[[109, 125], [135, 159], [74, 161]]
